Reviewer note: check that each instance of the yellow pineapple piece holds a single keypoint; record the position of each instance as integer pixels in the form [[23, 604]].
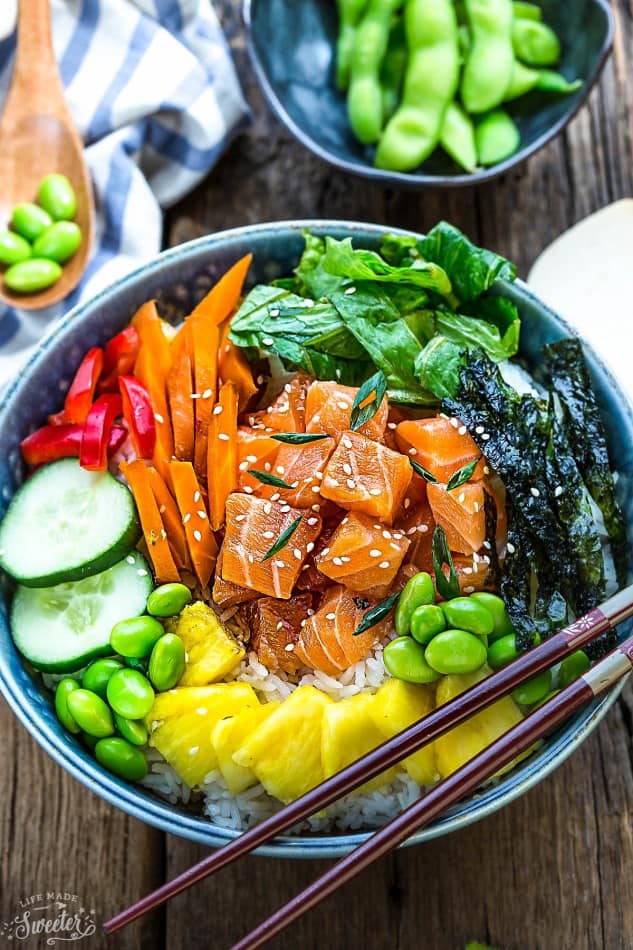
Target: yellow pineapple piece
[[466, 741], [181, 721], [398, 705], [212, 651], [284, 752], [228, 735], [349, 732]]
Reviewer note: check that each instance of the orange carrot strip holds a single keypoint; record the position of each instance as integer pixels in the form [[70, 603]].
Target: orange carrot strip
[[164, 450], [203, 547], [234, 368], [171, 519], [180, 390], [150, 328], [204, 343], [151, 522], [224, 296], [222, 471]]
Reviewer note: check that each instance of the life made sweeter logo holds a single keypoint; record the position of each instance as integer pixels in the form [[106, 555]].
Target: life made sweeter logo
[[59, 917]]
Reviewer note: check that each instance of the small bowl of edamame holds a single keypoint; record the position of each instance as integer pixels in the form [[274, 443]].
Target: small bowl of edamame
[[427, 93]]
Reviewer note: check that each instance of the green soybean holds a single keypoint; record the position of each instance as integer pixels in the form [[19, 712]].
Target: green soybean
[[426, 622], [404, 659], [504, 650], [90, 713], [462, 613], [533, 690], [13, 248], [97, 675], [28, 277], [497, 608], [349, 15], [364, 97], [121, 758], [457, 137], [130, 694], [30, 220], [572, 667], [546, 699], [393, 69], [133, 730], [59, 242], [135, 636], [168, 600], [417, 591], [497, 137], [455, 651], [535, 43], [489, 64], [65, 687], [526, 11], [430, 84], [57, 196], [167, 662]]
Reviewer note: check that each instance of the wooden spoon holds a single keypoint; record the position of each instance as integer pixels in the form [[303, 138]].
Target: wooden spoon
[[38, 137]]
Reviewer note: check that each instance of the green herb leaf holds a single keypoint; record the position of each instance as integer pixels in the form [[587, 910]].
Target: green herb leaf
[[299, 438], [421, 470], [376, 614], [363, 411], [472, 270], [447, 587], [267, 479], [462, 475], [283, 539]]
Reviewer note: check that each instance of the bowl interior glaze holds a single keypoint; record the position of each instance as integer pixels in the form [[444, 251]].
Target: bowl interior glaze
[[178, 279], [292, 49]]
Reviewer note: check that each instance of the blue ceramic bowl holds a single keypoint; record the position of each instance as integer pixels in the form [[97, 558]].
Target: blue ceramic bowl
[[178, 278], [292, 50]]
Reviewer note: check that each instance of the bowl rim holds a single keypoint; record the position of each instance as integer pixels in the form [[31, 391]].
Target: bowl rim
[[138, 801], [410, 180]]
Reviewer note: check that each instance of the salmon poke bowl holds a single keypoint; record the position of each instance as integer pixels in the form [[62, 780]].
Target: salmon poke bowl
[[278, 494]]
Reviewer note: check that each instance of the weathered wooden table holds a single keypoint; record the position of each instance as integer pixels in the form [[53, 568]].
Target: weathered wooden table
[[554, 871]]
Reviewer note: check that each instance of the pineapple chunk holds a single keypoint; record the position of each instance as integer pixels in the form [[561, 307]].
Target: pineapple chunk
[[466, 741], [349, 732], [228, 735], [181, 721], [212, 651], [398, 705], [284, 752]]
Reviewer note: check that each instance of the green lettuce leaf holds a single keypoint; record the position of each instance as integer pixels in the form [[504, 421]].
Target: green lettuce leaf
[[343, 260], [312, 278], [437, 367], [472, 270], [473, 332]]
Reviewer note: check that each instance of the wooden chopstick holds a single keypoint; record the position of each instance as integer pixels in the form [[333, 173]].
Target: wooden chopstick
[[587, 628], [595, 681]]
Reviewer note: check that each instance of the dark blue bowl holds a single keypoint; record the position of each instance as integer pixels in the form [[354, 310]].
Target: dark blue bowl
[[292, 49], [178, 278]]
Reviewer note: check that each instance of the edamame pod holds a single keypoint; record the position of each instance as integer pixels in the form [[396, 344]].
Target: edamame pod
[[28, 277], [121, 758], [168, 600], [364, 97], [417, 591], [497, 137], [535, 43], [65, 687], [404, 659], [349, 14], [393, 69], [56, 195], [489, 65], [167, 662], [13, 248], [458, 137], [430, 84], [455, 651]]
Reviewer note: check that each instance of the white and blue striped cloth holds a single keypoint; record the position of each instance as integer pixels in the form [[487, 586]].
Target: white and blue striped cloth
[[153, 90]]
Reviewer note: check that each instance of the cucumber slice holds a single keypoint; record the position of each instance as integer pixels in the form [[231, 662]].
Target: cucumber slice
[[59, 629], [66, 523]]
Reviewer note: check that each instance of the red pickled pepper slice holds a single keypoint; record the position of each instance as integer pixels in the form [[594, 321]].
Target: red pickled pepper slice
[[119, 358], [54, 442], [82, 389], [97, 429], [139, 415]]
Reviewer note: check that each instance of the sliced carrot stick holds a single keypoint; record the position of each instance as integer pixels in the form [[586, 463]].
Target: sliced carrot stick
[[203, 548], [154, 340], [222, 471], [164, 449], [151, 522], [204, 343], [224, 296], [234, 368], [180, 392], [172, 519]]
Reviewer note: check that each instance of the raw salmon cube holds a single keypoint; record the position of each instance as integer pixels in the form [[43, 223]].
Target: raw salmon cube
[[363, 554], [253, 525], [442, 446], [275, 626], [302, 467], [255, 449], [417, 524], [461, 514], [329, 407], [287, 413], [365, 476], [224, 593]]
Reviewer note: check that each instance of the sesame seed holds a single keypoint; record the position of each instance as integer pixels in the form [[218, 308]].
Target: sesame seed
[[480, 430], [195, 395], [281, 470], [315, 489], [407, 503], [318, 476], [310, 612], [223, 437], [347, 442], [485, 437], [462, 497], [412, 530], [423, 528], [296, 484], [280, 624], [392, 425], [274, 312], [251, 458], [279, 564], [375, 491], [248, 490], [347, 468], [240, 517], [558, 491], [350, 290], [275, 496], [268, 508], [476, 507], [343, 404], [345, 559], [160, 419], [345, 520], [337, 561], [413, 451], [142, 572], [351, 483], [196, 496], [289, 647], [330, 616], [315, 507], [535, 493], [267, 466], [469, 590], [197, 535], [454, 422], [384, 565], [194, 749], [202, 711], [284, 509], [387, 535], [487, 545], [218, 410], [375, 552], [186, 518], [207, 394], [468, 570], [303, 623], [297, 553], [131, 559], [486, 470], [259, 380], [268, 341], [396, 547], [325, 552], [462, 430], [201, 514], [268, 535], [162, 509], [312, 521], [251, 559], [310, 547], [288, 388], [334, 482], [476, 558]]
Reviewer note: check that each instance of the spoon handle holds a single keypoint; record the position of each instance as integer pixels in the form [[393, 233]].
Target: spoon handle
[[35, 69]]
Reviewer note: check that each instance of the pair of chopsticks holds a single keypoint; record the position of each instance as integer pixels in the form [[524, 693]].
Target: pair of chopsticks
[[521, 737]]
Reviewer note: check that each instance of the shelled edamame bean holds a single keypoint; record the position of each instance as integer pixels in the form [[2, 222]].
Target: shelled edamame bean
[[42, 237]]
